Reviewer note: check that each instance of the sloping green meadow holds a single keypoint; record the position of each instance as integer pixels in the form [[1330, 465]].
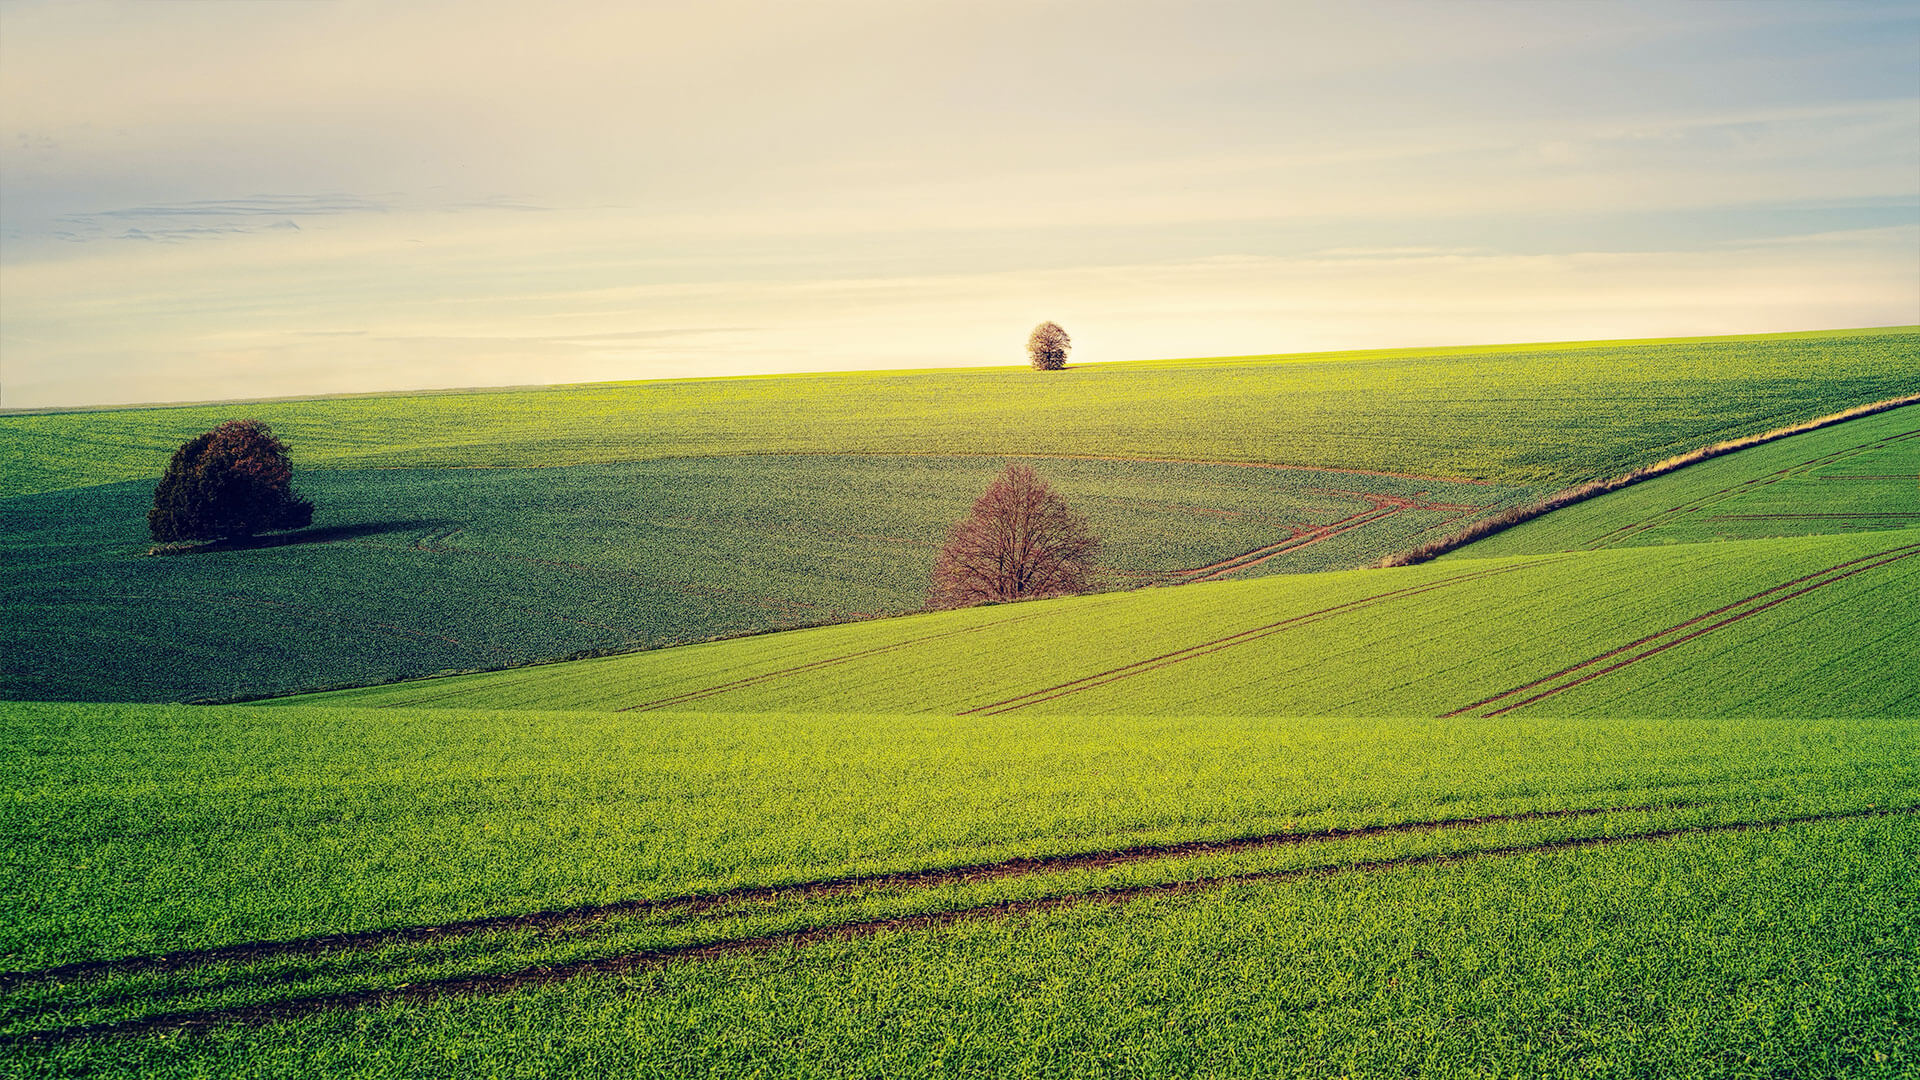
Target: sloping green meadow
[[1833, 617], [1532, 414], [1649, 809], [591, 530], [1353, 874], [425, 570], [1857, 476]]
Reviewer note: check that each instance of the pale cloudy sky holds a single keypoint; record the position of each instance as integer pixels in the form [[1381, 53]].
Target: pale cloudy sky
[[225, 198]]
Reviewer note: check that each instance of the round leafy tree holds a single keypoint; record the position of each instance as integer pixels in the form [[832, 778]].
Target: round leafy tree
[[1019, 543], [231, 482], [1047, 346]]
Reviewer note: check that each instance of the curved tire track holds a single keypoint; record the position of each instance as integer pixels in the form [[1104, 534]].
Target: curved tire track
[[696, 902], [507, 982]]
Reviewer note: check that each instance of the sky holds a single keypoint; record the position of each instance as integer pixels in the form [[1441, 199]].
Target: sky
[[205, 199]]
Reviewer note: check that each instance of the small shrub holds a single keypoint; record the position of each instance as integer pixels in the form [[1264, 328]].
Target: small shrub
[[229, 483]]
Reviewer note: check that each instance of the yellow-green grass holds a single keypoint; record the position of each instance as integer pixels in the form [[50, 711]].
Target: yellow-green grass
[[1748, 628], [1860, 475], [1783, 952], [417, 571], [1526, 415], [1677, 852]]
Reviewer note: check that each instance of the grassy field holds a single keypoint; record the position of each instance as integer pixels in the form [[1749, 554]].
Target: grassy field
[[1832, 616], [1537, 414], [667, 876], [1860, 475], [419, 571], [1644, 800], [812, 516], [1701, 957]]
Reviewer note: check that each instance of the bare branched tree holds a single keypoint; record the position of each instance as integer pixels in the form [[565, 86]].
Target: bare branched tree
[[1047, 346], [1019, 543]]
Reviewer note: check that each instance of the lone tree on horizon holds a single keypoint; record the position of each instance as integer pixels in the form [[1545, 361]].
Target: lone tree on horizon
[[1047, 346], [1020, 542], [229, 483]]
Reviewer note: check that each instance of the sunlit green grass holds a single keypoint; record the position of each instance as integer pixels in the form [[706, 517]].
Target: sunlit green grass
[[1705, 958], [1204, 712], [1524, 415], [143, 828], [1417, 640], [134, 829], [1860, 475]]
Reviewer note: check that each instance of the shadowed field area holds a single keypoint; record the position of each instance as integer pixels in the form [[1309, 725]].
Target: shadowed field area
[[411, 572]]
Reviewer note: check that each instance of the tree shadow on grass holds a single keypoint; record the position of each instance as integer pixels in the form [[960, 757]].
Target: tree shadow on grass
[[325, 535]]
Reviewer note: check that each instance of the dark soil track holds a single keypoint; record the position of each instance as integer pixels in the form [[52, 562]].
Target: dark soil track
[[506, 982], [563, 917], [772, 676], [1381, 508]]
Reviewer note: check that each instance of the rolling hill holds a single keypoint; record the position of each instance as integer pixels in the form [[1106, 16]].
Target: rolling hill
[[623, 517], [1630, 789]]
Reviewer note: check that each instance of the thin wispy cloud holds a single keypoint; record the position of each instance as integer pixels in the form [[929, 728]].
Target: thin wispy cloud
[[477, 192]]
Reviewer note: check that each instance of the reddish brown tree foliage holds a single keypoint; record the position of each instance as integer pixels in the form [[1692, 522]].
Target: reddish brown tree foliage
[[232, 481], [1047, 346], [1019, 543]]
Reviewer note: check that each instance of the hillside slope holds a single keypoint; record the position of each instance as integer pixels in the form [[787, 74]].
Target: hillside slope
[[1857, 476], [415, 568], [1541, 414], [425, 570], [1747, 628]]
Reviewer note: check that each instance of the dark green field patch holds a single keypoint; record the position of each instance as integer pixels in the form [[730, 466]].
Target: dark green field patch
[[410, 572]]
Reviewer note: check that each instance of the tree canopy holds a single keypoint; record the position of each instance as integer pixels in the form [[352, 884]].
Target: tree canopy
[[231, 482], [1019, 542], [1047, 346]]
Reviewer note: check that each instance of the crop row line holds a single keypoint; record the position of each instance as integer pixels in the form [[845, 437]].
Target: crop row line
[[698, 902], [1652, 644], [1154, 663], [1648, 524], [769, 676], [1259, 555]]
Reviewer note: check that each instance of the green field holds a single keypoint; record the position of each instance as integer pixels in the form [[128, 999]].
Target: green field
[[593, 530], [1531, 414], [1860, 475], [1416, 640], [1630, 790], [627, 835], [420, 571]]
